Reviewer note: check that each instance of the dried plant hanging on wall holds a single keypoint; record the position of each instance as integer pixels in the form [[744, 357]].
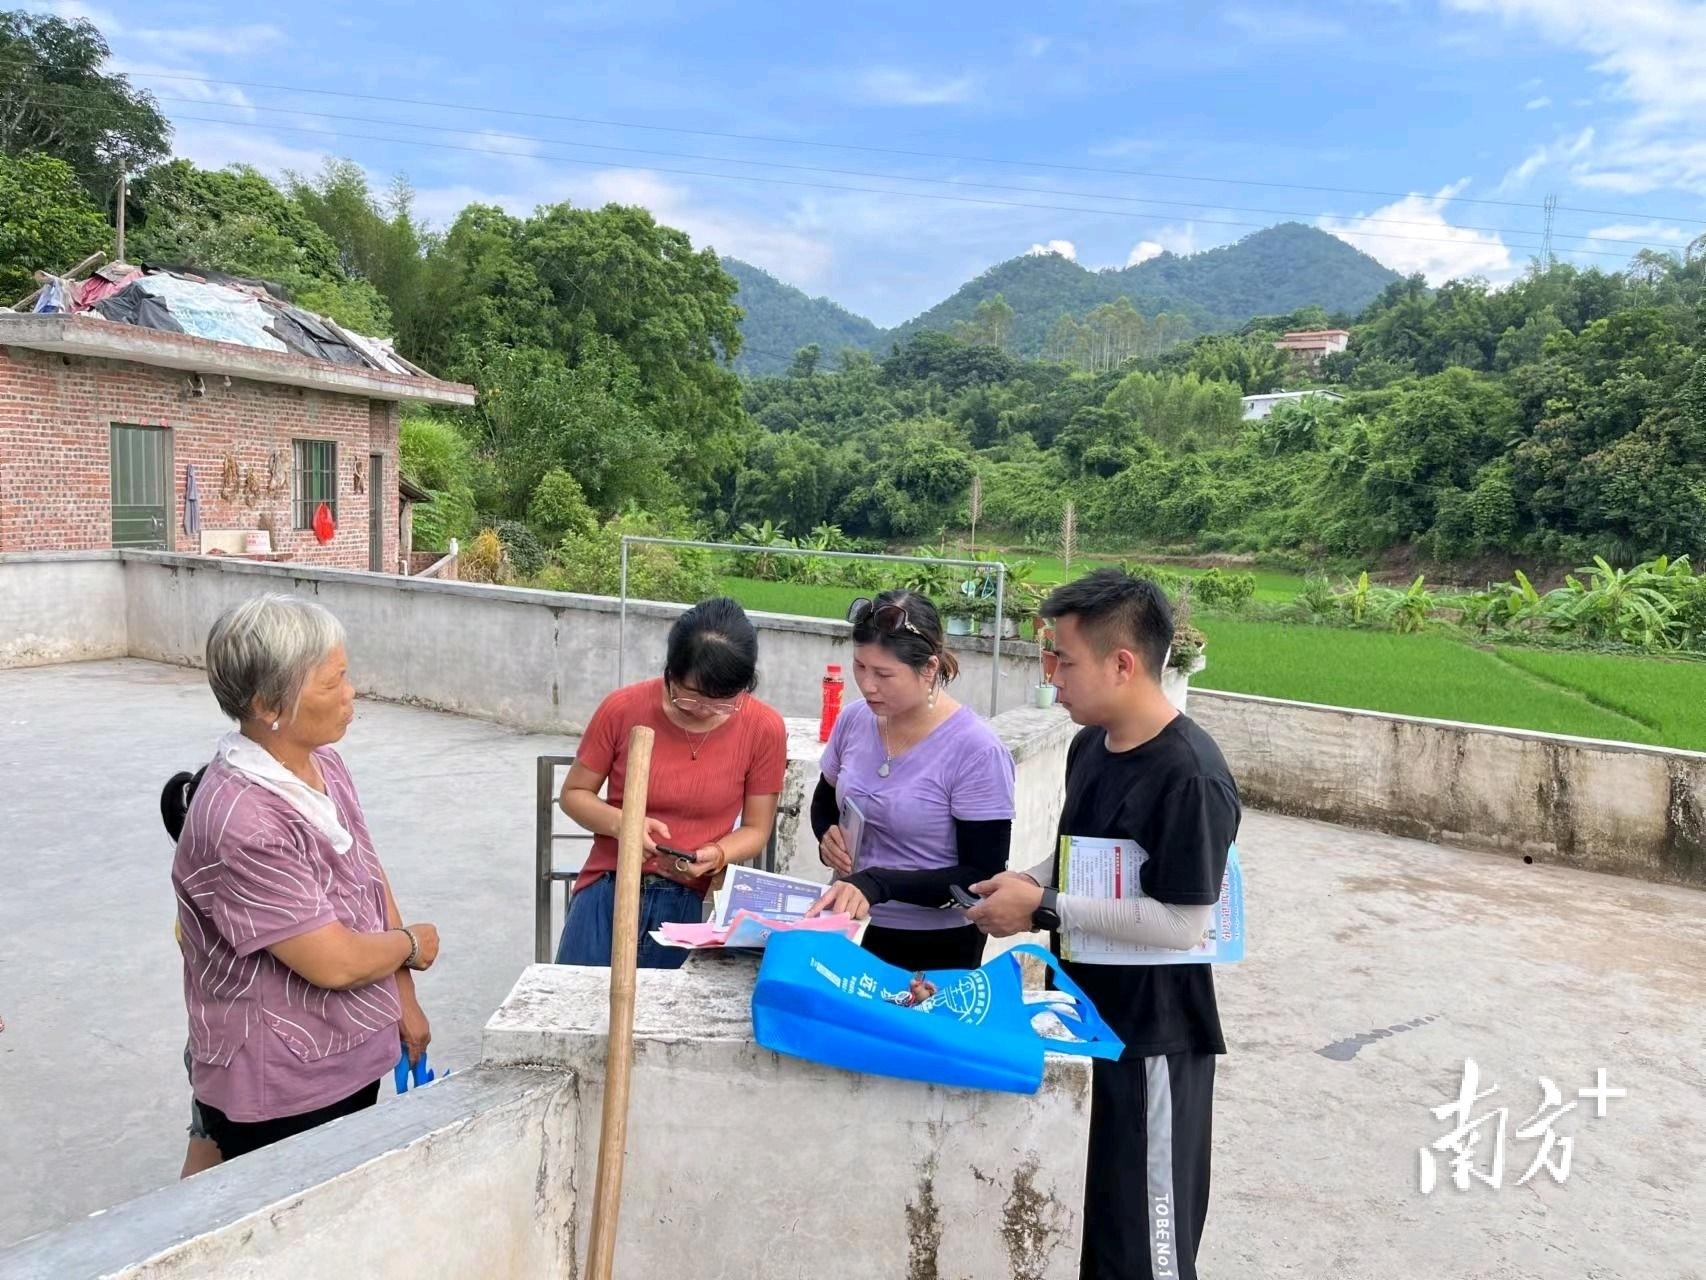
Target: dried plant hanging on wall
[[230, 478], [278, 475], [251, 487], [357, 479]]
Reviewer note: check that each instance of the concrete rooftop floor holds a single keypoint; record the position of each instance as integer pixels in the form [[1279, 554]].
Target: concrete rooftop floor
[[1532, 971]]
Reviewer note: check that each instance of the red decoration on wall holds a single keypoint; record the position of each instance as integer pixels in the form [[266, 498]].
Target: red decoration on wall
[[324, 526]]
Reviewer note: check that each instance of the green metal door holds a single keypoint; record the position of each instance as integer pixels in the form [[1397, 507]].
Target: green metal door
[[142, 488]]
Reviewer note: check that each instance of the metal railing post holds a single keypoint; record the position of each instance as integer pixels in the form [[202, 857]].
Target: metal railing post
[[1000, 622], [545, 783], [622, 623]]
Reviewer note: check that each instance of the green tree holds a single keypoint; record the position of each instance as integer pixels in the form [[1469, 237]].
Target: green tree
[[56, 99], [805, 361], [235, 220], [559, 508], [47, 221]]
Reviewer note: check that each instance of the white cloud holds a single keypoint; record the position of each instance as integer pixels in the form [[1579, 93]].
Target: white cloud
[[1064, 248], [1646, 231], [1278, 26], [896, 87], [1544, 157], [1036, 46], [1436, 248], [784, 246], [1537, 104], [214, 146], [173, 42], [1181, 240], [1651, 52]]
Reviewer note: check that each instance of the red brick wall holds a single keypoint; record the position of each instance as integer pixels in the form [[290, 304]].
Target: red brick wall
[[56, 413]]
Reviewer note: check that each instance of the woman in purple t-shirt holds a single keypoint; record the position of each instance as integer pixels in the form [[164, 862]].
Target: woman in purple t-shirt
[[916, 794]]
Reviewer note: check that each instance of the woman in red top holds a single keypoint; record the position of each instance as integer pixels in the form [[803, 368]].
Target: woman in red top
[[719, 755]]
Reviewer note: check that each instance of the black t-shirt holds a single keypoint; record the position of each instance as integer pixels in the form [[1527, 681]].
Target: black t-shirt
[[1175, 797]]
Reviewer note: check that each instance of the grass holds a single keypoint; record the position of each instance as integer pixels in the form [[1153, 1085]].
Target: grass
[[1421, 675], [790, 597], [1668, 697], [1628, 699]]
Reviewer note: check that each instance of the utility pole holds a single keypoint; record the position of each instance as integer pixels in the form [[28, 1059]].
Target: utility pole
[[118, 255]]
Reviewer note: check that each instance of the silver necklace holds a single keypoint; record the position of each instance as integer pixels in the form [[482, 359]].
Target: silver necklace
[[883, 733]]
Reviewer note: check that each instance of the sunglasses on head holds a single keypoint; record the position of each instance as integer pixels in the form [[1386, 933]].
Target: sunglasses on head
[[889, 617]]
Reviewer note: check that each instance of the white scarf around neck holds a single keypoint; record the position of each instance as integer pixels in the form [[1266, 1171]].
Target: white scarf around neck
[[255, 762]]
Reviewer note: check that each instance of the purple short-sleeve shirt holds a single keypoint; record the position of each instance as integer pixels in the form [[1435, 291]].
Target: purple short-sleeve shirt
[[250, 872], [961, 770]]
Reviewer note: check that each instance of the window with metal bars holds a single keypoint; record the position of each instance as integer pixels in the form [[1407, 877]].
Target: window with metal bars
[[316, 480]]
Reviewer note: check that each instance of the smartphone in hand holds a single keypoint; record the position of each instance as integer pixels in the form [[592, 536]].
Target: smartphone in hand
[[962, 896]]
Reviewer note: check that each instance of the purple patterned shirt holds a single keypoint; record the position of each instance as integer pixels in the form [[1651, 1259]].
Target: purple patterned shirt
[[250, 871]]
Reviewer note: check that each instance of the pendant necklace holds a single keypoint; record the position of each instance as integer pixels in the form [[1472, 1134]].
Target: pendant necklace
[[883, 732]]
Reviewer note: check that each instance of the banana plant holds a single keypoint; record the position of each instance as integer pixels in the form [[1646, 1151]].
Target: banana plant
[[1410, 609]]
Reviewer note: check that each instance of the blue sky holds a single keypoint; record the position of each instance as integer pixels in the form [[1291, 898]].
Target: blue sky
[[1413, 108]]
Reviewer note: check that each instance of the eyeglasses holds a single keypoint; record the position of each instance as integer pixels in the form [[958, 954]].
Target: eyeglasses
[[704, 706], [891, 617]]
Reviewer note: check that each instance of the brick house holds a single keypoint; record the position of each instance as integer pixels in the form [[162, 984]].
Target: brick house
[[101, 422]]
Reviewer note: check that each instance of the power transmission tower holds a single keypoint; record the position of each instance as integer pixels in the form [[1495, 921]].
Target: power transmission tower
[[1550, 206]]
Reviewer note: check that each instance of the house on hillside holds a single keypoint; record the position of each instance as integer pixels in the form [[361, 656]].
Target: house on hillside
[[187, 411], [1261, 406], [1308, 347]]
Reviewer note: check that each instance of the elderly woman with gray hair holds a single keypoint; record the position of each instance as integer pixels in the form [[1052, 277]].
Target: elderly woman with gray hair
[[297, 966]]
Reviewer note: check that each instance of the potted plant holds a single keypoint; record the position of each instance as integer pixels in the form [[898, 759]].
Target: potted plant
[[1043, 694], [961, 619], [1184, 660]]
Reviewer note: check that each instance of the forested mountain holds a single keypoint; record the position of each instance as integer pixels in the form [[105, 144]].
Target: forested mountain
[[781, 319], [1272, 272]]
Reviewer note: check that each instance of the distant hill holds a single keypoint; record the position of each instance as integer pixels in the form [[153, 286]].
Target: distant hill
[[780, 319], [1271, 272]]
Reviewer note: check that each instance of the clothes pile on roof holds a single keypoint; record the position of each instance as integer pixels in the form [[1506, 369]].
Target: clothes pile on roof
[[219, 307]]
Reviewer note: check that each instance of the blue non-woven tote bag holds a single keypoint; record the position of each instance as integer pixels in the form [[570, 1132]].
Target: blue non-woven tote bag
[[824, 998]]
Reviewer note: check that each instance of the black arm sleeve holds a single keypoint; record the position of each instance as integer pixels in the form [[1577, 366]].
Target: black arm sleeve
[[982, 847], [825, 812]]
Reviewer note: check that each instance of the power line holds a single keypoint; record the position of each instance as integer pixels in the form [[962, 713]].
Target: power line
[[901, 177], [820, 186], [895, 151]]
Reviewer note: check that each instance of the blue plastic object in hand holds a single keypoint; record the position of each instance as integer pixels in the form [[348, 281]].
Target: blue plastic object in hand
[[403, 1071]]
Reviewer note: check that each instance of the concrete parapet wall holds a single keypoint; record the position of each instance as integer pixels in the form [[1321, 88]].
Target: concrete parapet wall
[[533, 659], [61, 608], [473, 1176], [742, 1163], [1598, 806]]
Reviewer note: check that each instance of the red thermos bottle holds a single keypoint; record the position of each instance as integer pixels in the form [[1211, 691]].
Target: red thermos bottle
[[832, 686]]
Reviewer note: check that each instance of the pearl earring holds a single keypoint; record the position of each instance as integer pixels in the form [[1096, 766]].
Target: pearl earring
[[275, 726]]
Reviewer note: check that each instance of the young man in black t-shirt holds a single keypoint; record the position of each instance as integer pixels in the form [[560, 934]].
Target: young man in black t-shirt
[[1138, 771]]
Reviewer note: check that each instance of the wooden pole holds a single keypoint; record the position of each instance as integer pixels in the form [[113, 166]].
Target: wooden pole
[[93, 260], [619, 1058], [119, 256]]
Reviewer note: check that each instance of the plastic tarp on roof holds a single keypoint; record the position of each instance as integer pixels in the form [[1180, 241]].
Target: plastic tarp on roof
[[134, 305], [306, 333], [214, 311], [379, 353]]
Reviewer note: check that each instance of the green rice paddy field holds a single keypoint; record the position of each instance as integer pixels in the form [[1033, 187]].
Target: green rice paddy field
[[1631, 699]]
